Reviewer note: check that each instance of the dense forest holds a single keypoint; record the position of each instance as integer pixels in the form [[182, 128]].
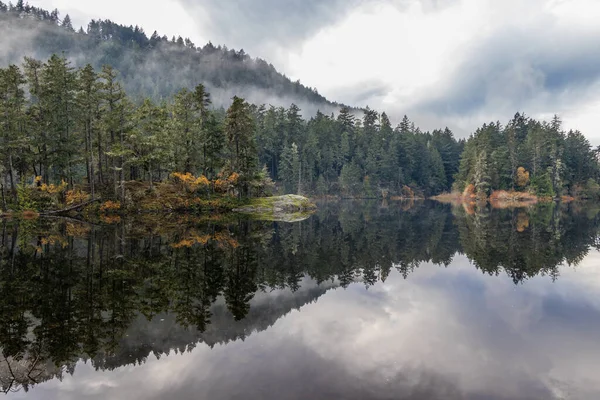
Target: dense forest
[[115, 294], [92, 128], [63, 127]]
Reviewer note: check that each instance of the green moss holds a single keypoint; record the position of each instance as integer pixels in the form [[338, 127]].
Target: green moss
[[278, 208]]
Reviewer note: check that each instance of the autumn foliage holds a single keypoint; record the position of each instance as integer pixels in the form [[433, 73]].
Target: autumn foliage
[[407, 192], [222, 239], [522, 177], [223, 184], [110, 206], [76, 196], [511, 199], [469, 192], [53, 189], [190, 182]]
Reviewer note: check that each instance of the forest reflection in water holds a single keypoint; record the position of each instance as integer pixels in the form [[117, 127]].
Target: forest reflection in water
[[114, 294]]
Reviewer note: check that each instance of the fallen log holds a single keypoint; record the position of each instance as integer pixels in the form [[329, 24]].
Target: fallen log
[[66, 210]]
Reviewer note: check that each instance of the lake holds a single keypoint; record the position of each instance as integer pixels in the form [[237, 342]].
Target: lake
[[363, 300]]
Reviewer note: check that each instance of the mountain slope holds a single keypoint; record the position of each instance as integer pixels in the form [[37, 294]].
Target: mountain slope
[[150, 66]]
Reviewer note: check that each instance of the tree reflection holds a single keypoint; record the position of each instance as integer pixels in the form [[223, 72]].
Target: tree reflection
[[114, 294]]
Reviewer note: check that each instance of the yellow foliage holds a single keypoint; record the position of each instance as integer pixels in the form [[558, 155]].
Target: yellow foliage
[[55, 239], [223, 240], [202, 239], [76, 197], [110, 206], [226, 240], [221, 185], [110, 219], [37, 179], [233, 178], [192, 240], [53, 189], [183, 243], [407, 192], [522, 177], [469, 192], [522, 222], [189, 181], [77, 230]]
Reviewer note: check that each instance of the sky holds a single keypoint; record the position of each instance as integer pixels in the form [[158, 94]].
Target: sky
[[456, 63]]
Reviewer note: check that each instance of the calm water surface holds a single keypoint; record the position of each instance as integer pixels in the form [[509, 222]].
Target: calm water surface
[[360, 301]]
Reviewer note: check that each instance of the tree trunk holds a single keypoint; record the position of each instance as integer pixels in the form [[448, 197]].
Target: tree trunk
[[122, 171], [115, 181], [300, 178], [87, 154], [100, 176], [92, 172], [3, 197], [13, 185]]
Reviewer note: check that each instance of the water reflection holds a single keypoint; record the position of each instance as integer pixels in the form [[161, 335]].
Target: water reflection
[[134, 292]]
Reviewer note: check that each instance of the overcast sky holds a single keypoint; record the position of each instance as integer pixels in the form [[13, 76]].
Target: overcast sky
[[443, 62]]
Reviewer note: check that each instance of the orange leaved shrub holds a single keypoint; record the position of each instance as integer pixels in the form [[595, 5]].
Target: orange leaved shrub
[[110, 206], [189, 181], [76, 196], [469, 192]]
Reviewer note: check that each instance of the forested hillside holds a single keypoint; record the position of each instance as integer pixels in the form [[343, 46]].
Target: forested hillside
[[149, 65], [150, 114]]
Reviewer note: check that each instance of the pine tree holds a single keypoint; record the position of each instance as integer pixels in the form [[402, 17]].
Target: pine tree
[[67, 24], [239, 128], [186, 127], [214, 145], [88, 103], [149, 143], [13, 136], [481, 176], [111, 133], [289, 168], [58, 88]]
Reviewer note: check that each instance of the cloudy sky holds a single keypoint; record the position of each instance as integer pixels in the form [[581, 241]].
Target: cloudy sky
[[442, 62]]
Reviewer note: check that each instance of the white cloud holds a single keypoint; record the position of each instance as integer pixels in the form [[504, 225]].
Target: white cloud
[[167, 17], [407, 49]]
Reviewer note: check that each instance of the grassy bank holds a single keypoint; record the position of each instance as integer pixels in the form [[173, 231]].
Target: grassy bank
[[498, 198]]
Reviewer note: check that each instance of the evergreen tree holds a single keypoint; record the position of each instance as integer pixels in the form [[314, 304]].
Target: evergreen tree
[[67, 24], [289, 168], [88, 104], [13, 124], [239, 128], [58, 89]]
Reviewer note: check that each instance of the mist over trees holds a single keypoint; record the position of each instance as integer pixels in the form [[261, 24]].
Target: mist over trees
[[149, 65]]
